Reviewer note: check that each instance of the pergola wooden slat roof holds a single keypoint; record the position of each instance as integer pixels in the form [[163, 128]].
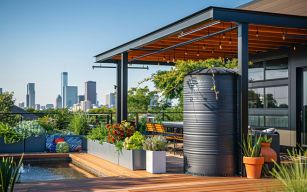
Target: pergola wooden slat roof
[[267, 31]]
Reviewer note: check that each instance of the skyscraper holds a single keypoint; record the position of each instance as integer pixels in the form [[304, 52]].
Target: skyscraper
[[0, 90], [81, 98], [64, 83], [110, 100], [71, 96], [30, 95], [59, 102], [90, 92]]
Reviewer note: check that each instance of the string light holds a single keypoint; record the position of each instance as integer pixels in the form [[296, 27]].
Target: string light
[[284, 36], [257, 33], [204, 47], [186, 52], [197, 54], [220, 46], [224, 36], [294, 48], [164, 58]]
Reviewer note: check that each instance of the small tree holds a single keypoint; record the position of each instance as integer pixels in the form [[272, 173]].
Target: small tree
[[6, 105]]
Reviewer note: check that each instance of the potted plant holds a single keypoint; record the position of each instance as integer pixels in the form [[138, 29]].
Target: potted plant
[[266, 151], [132, 156], [10, 140], [155, 154], [251, 157], [9, 173]]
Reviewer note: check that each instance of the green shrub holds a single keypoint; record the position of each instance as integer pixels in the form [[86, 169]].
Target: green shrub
[[293, 175], [134, 142], [79, 124], [9, 134], [62, 147], [29, 128], [155, 143], [48, 123], [98, 134], [9, 173]]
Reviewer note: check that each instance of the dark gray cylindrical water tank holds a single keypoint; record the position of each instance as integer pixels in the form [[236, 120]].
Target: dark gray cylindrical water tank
[[210, 122]]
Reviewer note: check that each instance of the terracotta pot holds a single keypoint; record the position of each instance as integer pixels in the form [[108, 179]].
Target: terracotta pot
[[268, 153], [253, 166]]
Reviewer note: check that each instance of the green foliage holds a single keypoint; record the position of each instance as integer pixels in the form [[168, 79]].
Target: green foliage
[[293, 175], [142, 124], [48, 123], [251, 147], [98, 134], [9, 172], [29, 128], [119, 146], [6, 104], [9, 134], [134, 142], [139, 99], [102, 110], [62, 147], [170, 83], [79, 124], [62, 117], [155, 143], [265, 139]]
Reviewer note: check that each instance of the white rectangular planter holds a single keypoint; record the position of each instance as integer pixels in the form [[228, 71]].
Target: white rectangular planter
[[156, 161], [106, 151]]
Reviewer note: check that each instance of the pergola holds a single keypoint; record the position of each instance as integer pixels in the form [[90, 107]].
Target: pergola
[[210, 33]]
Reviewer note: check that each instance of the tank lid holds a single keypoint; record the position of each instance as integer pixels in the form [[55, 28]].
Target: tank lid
[[215, 70]]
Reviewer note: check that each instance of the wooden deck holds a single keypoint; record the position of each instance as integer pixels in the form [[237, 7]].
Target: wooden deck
[[116, 178]]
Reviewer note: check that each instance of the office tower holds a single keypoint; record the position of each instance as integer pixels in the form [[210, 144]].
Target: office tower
[[64, 83], [0, 90], [110, 100], [31, 95], [58, 102], [71, 96], [90, 92], [49, 106], [81, 98]]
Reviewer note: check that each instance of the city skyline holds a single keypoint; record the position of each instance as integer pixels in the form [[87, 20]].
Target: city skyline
[[33, 50]]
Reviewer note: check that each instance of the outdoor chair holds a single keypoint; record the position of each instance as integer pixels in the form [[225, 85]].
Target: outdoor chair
[[150, 129]]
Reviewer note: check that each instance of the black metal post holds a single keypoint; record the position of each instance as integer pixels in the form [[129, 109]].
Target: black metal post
[[118, 92], [124, 86], [243, 84]]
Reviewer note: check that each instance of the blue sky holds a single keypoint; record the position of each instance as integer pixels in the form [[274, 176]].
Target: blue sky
[[40, 39]]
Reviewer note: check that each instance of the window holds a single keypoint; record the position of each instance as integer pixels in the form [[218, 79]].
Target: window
[[256, 98], [256, 72], [276, 121], [276, 97], [276, 69], [256, 121]]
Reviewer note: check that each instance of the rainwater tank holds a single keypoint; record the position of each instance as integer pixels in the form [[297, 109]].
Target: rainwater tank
[[210, 122]]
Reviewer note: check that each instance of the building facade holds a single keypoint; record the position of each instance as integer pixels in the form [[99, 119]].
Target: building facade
[[58, 102], [64, 83], [71, 96], [81, 98], [30, 101], [110, 100], [90, 92], [0, 90]]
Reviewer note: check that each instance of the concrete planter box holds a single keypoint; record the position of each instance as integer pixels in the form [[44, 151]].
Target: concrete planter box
[[35, 144], [11, 148], [156, 161], [132, 159], [106, 151]]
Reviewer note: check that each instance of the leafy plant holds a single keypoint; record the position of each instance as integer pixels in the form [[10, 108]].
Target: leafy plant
[[9, 134], [293, 175], [48, 123], [98, 134], [265, 139], [134, 142], [29, 128], [79, 124], [155, 143], [9, 172], [118, 132], [62, 147], [251, 148], [119, 146], [6, 105]]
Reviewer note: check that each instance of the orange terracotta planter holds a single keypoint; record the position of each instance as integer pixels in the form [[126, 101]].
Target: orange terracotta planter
[[253, 166], [268, 153]]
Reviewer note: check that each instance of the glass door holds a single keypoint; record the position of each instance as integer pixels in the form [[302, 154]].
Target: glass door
[[304, 108]]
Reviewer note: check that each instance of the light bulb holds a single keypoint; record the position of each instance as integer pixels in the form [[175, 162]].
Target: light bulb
[[220, 46]]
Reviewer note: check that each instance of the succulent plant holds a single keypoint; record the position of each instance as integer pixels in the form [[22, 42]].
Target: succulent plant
[[62, 147], [155, 143], [29, 128]]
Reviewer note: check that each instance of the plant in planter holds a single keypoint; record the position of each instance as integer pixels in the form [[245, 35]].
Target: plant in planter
[[118, 132], [62, 147], [79, 124], [266, 151], [98, 134], [252, 159], [29, 128], [155, 154], [9, 134], [9, 173], [135, 142]]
